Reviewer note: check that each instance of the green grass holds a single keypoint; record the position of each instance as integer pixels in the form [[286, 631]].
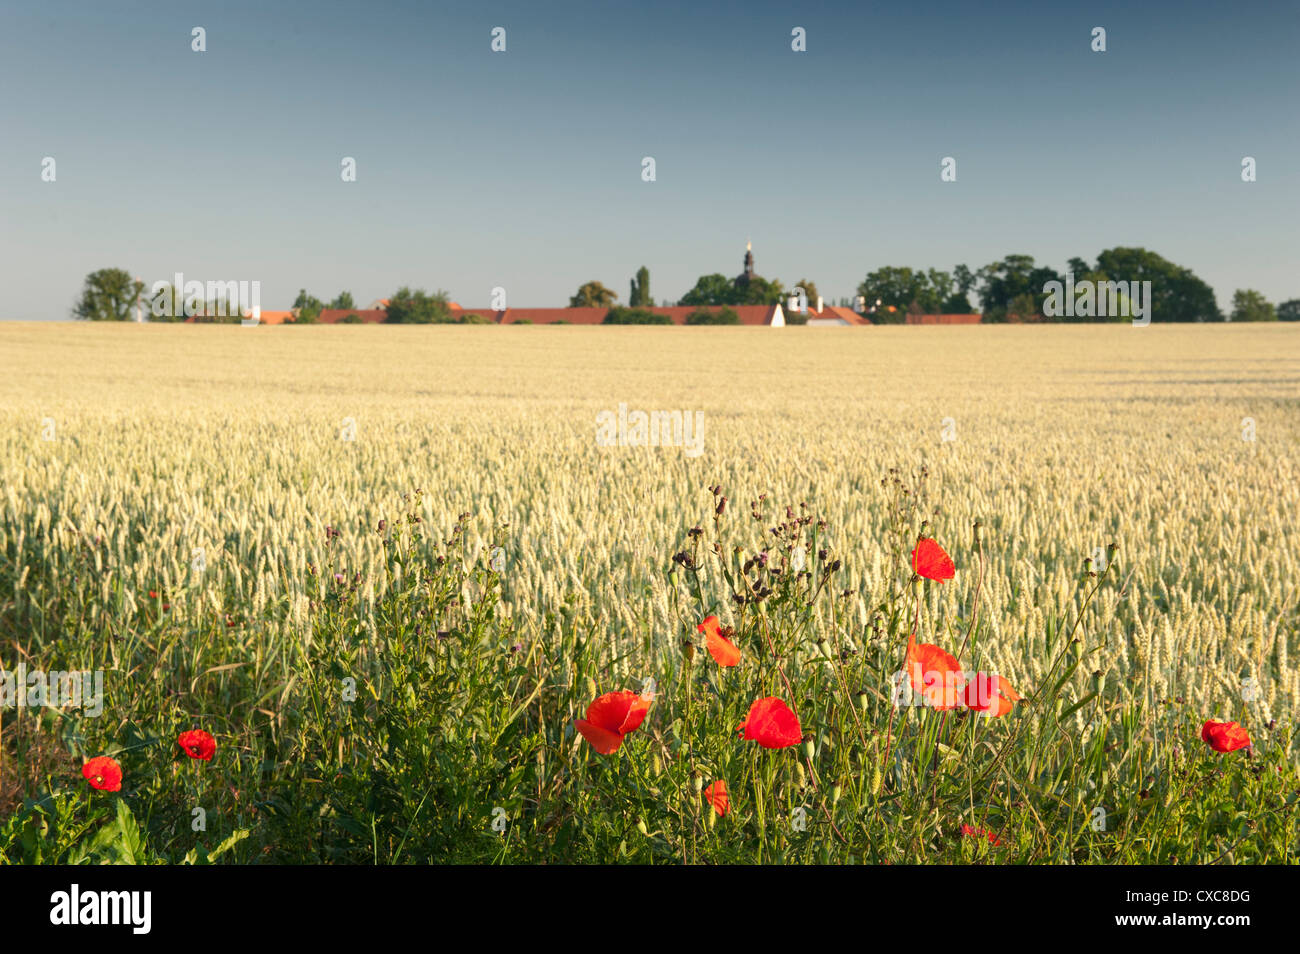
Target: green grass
[[411, 726]]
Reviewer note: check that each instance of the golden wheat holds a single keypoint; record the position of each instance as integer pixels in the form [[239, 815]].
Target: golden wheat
[[230, 441]]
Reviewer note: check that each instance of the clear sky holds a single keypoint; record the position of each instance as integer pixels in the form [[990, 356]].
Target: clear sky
[[523, 169]]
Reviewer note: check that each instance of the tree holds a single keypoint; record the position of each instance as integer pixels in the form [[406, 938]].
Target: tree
[[1010, 280], [713, 316], [1023, 309], [957, 304], [640, 296], [308, 307], [1176, 294], [965, 279], [757, 291], [938, 291], [344, 300], [715, 289], [1250, 305], [1289, 310], [418, 307], [891, 285], [109, 294], [636, 316], [593, 295], [165, 304]]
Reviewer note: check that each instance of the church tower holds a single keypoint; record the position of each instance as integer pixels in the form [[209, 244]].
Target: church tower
[[742, 280]]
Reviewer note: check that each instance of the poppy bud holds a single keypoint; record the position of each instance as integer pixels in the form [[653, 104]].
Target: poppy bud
[[641, 827], [809, 746], [862, 701], [591, 688], [824, 648], [836, 791], [697, 782], [1076, 648]]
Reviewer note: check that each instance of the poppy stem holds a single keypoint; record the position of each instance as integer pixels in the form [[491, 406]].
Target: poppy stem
[[893, 695], [974, 617]]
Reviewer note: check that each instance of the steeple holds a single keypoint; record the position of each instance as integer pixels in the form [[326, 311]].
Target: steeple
[[749, 260]]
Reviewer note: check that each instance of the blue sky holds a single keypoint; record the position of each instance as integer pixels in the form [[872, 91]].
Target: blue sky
[[523, 169]]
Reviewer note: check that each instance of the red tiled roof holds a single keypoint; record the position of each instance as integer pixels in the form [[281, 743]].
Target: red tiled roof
[[748, 314], [831, 312]]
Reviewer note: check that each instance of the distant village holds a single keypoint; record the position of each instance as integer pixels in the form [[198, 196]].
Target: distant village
[[794, 308], [1013, 289]]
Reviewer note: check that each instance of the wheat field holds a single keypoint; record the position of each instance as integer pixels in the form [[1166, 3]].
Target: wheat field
[[1178, 444]]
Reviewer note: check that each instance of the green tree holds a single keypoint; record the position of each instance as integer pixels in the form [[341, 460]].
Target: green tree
[[1023, 309], [715, 289], [1176, 294], [636, 316], [308, 307], [1250, 305], [713, 316], [109, 294], [166, 304], [406, 307], [1289, 310], [756, 291], [593, 295], [640, 296], [964, 279], [1010, 280], [939, 290], [344, 300], [891, 285]]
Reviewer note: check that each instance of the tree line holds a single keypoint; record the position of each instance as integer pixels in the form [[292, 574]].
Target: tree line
[[1012, 289]]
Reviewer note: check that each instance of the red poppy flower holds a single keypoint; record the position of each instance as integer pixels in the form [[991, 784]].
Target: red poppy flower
[[103, 774], [716, 795], [771, 724], [611, 717], [1224, 736], [935, 674], [153, 595], [197, 744], [970, 832], [930, 561], [722, 649], [990, 695]]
